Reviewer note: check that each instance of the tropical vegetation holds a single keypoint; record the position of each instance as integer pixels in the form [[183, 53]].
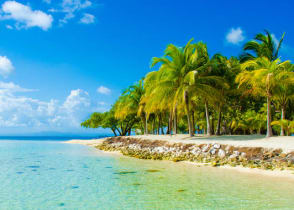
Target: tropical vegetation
[[189, 91]]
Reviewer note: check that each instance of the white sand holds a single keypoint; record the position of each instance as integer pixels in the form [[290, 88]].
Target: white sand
[[92, 142], [286, 143]]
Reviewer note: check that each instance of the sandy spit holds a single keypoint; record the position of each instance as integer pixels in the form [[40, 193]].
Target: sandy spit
[[284, 143]]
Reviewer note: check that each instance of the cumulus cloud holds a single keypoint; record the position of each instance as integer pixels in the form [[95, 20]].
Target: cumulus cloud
[[22, 111], [77, 99], [24, 16], [103, 90], [87, 19], [235, 36], [70, 7], [6, 66]]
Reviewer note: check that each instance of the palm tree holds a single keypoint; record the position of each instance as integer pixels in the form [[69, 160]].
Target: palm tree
[[182, 76], [129, 102], [156, 99], [263, 45], [284, 91], [287, 125], [259, 76], [175, 65]]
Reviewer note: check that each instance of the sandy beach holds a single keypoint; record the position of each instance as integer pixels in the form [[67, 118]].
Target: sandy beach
[[286, 143]]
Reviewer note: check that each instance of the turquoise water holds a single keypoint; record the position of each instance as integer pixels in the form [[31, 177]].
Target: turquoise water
[[52, 175]]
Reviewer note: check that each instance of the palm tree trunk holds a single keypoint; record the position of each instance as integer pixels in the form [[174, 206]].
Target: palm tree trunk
[[218, 132], [283, 118], [143, 119], [207, 119], [193, 123], [212, 125], [170, 122], [114, 132], [146, 125], [159, 123], [152, 126], [269, 131], [186, 96], [230, 127], [259, 131], [175, 130]]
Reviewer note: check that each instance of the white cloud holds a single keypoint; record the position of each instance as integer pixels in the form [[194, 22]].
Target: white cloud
[[70, 7], [87, 19], [24, 16], [21, 111], [235, 36], [10, 87], [77, 98], [6, 66], [103, 90]]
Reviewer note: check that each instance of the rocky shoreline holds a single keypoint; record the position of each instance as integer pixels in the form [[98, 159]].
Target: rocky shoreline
[[214, 154]]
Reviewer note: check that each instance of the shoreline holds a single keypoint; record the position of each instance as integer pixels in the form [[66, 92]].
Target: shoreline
[[274, 172]]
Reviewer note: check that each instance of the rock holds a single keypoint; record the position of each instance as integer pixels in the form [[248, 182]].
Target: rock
[[196, 151], [233, 156], [237, 153], [283, 155], [205, 148], [216, 146], [243, 154], [221, 153], [213, 151], [228, 148], [291, 161], [159, 149]]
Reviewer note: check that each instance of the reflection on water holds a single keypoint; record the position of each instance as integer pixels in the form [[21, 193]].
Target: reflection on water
[[49, 175]]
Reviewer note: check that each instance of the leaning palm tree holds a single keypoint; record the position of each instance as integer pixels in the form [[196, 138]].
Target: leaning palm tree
[[259, 77], [263, 45]]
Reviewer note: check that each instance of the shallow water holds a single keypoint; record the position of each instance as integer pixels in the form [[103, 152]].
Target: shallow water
[[52, 175]]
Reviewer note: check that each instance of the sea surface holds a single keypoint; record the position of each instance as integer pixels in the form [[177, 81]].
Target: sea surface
[[53, 175]]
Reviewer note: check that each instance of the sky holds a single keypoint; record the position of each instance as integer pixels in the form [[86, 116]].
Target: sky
[[61, 60]]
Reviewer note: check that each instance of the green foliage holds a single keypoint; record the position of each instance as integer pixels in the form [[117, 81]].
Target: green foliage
[[108, 120], [190, 91], [263, 45], [286, 124]]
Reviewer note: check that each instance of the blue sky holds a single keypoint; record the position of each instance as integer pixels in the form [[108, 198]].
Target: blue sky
[[60, 60]]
